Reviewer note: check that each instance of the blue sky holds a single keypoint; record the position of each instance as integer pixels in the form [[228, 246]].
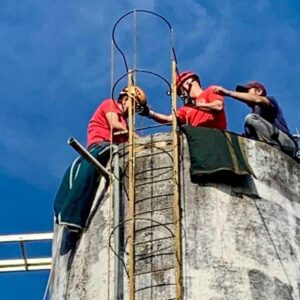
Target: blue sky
[[55, 62]]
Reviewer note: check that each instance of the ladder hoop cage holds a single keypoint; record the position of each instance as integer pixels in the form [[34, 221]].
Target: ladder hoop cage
[[131, 76], [147, 12]]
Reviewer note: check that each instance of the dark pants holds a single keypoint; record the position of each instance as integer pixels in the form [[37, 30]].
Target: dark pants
[[76, 193], [259, 129]]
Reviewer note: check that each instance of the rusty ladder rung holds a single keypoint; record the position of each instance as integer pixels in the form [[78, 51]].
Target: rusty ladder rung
[[154, 240], [154, 286], [154, 271], [154, 255], [153, 197], [154, 225], [154, 210], [152, 182]]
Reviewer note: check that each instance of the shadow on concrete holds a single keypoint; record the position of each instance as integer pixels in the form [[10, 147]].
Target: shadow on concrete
[[69, 243]]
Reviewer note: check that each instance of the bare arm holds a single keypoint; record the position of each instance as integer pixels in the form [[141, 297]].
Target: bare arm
[[216, 105], [160, 118], [114, 123], [243, 97]]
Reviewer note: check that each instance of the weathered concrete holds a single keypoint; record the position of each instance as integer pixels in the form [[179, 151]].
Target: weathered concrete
[[83, 265], [242, 242], [239, 242]]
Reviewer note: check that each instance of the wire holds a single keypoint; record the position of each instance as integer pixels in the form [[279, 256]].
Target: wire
[[140, 71], [137, 219], [173, 52], [137, 11]]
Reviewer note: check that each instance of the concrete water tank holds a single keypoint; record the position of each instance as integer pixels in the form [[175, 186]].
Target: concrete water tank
[[239, 241]]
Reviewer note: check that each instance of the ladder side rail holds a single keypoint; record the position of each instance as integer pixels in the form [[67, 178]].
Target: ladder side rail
[[131, 194], [177, 214]]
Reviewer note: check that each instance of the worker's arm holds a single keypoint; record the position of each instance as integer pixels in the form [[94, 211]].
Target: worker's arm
[[216, 105], [114, 123], [160, 118], [145, 111], [247, 98], [116, 126]]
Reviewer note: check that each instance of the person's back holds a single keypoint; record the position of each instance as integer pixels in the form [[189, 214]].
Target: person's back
[[273, 114]]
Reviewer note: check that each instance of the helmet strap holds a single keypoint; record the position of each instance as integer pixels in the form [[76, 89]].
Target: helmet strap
[[186, 99]]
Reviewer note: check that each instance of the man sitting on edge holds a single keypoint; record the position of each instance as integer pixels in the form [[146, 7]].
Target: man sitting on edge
[[266, 122]]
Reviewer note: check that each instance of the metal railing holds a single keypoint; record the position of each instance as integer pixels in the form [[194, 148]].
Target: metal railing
[[25, 263]]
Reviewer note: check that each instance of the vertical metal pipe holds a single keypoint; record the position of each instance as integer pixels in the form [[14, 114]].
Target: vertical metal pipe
[[131, 193], [134, 44], [22, 244], [116, 191], [177, 216]]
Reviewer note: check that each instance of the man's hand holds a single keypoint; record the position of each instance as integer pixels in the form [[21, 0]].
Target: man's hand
[[143, 110], [221, 91]]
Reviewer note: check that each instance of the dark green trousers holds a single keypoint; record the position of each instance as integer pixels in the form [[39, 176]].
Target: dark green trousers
[[77, 190]]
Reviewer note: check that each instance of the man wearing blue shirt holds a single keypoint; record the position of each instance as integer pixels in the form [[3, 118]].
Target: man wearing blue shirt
[[266, 122]]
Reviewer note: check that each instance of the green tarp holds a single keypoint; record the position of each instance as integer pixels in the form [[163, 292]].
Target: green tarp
[[216, 155]]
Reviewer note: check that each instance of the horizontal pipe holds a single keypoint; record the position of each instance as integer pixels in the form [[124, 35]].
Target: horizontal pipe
[[10, 265], [86, 155], [296, 137], [26, 237]]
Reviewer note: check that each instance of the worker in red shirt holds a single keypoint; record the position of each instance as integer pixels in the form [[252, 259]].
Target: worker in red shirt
[[75, 196], [110, 117], [201, 107]]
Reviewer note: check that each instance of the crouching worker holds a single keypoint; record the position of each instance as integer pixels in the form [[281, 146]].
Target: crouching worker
[[201, 107], [266, 122], [75, 196]]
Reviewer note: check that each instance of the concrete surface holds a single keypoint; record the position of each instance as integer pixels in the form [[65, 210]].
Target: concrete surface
[[240, 241]]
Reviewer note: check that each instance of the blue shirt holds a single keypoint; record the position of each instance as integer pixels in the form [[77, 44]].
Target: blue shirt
[[273, 114]]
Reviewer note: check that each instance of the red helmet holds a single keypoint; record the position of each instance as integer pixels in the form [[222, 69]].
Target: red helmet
[[182, 77]]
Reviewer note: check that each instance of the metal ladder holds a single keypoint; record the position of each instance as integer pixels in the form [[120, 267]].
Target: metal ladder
[[154, 236]]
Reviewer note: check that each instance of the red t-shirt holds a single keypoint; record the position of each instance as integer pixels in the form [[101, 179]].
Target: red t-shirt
[[192, 116], [99, 129]]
